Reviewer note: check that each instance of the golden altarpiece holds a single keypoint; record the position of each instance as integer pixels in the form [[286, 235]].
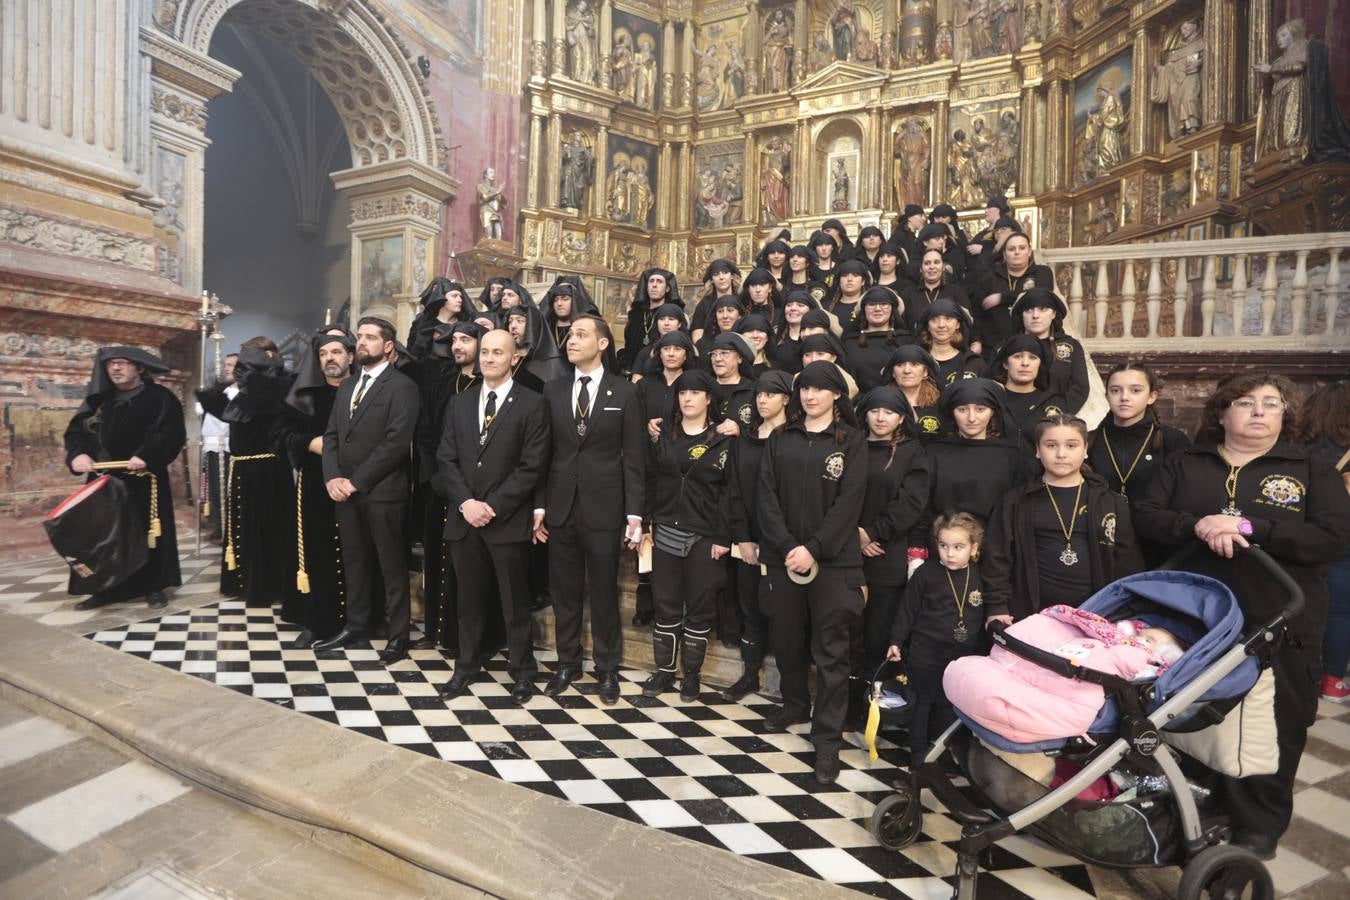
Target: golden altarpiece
[[673, 133]]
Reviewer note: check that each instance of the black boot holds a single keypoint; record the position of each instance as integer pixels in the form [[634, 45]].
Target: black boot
[[665, 642], [748, 683], [694, 649]]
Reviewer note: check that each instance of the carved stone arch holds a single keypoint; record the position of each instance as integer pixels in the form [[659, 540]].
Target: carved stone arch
[[357, 60]]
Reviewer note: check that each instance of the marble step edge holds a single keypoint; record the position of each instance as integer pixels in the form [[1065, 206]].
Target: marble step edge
[[441, 828]]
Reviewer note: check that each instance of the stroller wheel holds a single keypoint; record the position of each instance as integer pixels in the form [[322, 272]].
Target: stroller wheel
[[898, 819], [1225, 872]]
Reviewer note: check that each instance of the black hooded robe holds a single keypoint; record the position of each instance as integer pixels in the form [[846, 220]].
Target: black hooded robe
[[146, 422]]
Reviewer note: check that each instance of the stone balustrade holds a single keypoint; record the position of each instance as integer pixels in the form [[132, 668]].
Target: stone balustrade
[[1281, 292]]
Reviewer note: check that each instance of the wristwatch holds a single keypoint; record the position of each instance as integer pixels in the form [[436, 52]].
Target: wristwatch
[[1245, 527]]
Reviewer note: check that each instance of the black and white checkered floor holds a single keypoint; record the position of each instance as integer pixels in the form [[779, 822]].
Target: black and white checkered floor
[[704, 770]]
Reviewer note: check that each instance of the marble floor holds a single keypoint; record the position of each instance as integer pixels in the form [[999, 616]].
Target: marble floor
[[705, 770]]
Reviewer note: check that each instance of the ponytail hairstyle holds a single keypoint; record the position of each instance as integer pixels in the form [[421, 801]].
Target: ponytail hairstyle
[[1155, 384]]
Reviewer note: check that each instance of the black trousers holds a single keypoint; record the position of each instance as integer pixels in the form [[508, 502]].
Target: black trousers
[[684, 591], [754, 624], [580, 557], [374, 551], [439, 591], [1263, 804], [485, 570], [728, 609], [875, 636], [213, 464], [830, 607], [932, 711]]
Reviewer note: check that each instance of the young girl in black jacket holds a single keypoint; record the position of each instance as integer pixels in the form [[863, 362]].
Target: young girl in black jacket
[[812, 479], [686, 490], [1130, 445], [940, 617], [897, 494], [1060, 538]]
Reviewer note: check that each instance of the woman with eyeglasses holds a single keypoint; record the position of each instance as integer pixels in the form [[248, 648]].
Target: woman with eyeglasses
[[1244, 482]]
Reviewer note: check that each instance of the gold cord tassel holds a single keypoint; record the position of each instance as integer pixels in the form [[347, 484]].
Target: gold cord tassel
[[301, 576], [231, 559]]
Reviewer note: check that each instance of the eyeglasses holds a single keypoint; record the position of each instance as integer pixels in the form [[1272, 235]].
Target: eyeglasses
[[1268, 404]]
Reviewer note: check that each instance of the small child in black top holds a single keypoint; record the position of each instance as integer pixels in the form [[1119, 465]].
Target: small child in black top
[[940, 618]]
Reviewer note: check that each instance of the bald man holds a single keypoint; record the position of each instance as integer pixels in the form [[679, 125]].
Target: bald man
[[494, 449]]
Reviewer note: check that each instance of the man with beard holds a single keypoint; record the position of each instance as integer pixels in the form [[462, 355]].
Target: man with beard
[[317, 599], [492, 454], [365, 465], [655, 289], [259, 490], [126, 416], [216, 449], [452, 368]]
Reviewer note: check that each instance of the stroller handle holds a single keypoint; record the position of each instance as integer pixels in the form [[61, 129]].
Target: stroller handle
[[1293, 606]]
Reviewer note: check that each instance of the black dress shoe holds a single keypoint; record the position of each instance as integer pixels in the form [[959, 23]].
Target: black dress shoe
[[343, 638], [827, 767], [561, 681], [456, 686], [522, 690], [781, 720], [1260, 845], [94, 602], [304, 641], [423, 643], [156, 600], [609, 688], [395, 650], [658, 683]]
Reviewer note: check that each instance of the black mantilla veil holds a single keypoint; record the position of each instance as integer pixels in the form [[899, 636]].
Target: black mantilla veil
[[777, 245], [309, 375], [1025, 343], [433, 300]]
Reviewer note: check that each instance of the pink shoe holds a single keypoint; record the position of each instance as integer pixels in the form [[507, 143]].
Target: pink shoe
[[1337, 690]]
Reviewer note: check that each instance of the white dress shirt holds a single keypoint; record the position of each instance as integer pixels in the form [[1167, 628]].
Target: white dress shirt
[[215, 433], [374, 373], [501, 391], [592, 387]]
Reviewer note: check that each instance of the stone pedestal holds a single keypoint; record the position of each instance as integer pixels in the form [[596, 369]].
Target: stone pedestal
[[489, 258], [1286, 197]]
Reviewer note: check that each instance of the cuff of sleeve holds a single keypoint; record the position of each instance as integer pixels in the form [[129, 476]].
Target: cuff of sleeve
[[813, 547], [539, 511], [1261, 529]]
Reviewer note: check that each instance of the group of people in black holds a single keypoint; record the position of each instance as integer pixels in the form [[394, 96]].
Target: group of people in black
[[855, 454]]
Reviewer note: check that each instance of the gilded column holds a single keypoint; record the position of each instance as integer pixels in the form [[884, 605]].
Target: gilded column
[[601, 171], [1057, 127], [551, 171], [605, 39], [665, 192], [802, 42], [1222, 74], [539, 41], [750, 179], [687, 66], [800, 192], [536, 153], [559, 39], [942, 36], [1139, 106], [668, 65], [887, 37], [681, 198], [1026, 154], [752, 51], [1259, 32], [941, 135], [874, 151]]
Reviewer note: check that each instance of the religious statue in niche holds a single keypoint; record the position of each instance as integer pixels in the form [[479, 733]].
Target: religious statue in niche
[[491, 205], [621, 63], [1301, 113], [720, 70], [581, 41], [1176, 80], [710, 207], [775, 179], [822, 51], [644, 73], [916, 32], [845, 23], [839, 187], [982, 157], [865, 49], [629, 198], [640, 190], [987, 28], [617, 199], [576, 250], [1101, 143], [778, 30], [911, 162], [626, 259], [578, 171]]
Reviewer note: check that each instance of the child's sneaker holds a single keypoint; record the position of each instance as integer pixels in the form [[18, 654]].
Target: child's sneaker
[[1337, 690]]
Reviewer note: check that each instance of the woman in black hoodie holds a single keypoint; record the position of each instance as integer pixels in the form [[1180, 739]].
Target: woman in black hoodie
[[687, 475], [760, 295], [1059, 538], [882, 330], [897, 495], [785, 347], [811, 484]]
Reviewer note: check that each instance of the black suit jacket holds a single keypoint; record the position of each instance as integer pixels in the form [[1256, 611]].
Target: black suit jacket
[[601, 475], [372, 447], [503, 471]]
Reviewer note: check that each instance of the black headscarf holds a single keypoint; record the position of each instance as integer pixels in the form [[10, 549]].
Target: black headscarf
[[445, 333], [965, 391], [582, 304], [98, 379], [914, 353], [844, 245], [734, 342], [775, 246], [433, 300], [943, 306], [484, 296], [943, 209], [720, 265], [1040, 298], [891, 398], [1025, 343], [823, 342], [263, 385], [827, 375]]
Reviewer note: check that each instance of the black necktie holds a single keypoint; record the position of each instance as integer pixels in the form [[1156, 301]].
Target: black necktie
[[489, 412], [360, 391], [583, 406]]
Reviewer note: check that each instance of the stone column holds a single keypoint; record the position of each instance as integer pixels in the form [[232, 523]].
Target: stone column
[[605, 38], [559, 36], [536, 148], [601, 168], [668, 65], [552, 170], [1221, 75], [395, 209]]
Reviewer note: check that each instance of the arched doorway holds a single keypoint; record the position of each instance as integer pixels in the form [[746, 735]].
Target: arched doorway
[[395, 185]]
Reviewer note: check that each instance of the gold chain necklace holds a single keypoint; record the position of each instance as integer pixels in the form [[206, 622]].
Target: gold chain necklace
[[1230, 486], [960, 632], [1067, 556], [1138, 456]]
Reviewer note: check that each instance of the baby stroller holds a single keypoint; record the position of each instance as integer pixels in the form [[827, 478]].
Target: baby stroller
[[1162, 824]]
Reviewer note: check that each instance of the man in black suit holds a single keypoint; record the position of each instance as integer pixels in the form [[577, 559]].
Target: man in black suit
[[365, 465], [591, 504], [494, 447]]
